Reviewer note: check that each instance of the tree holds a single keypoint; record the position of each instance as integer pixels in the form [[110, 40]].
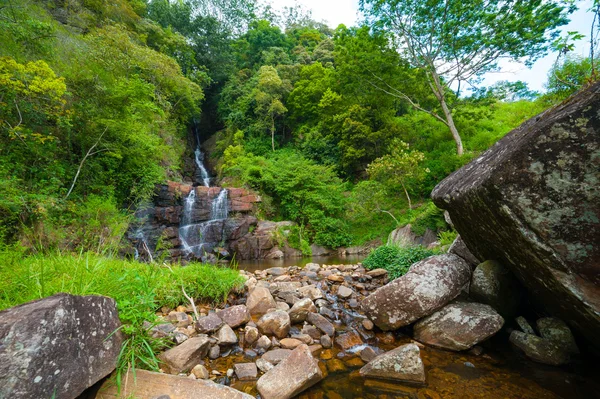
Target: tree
[[455, 41], [400, 166], [268, 96]]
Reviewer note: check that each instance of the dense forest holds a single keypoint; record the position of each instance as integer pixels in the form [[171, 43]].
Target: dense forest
[[339, 131]]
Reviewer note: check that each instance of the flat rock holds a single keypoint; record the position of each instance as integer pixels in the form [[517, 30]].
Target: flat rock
[[301, 309], [348, 340], [292, 376], [344, 291], [260, 301], [235, 316], [276, 356], [185, 356], [245, 371], [426, 287], [150, 385], [290, 343], [377, 273], [310, 291], [532, 202], [209, 324], [321, 323], [276, 323], [402, 364], [57, 346], [458, 326]]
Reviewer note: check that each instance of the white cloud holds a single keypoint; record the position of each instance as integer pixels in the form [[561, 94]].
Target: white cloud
[[333, 12]]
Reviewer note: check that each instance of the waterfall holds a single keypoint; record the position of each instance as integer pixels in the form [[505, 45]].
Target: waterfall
[[199, 159], [200, 238]]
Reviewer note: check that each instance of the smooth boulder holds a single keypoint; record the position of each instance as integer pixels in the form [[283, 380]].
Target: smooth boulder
[[532, 202], [57, 346], [402, 364], [495, 285], [458, 326], [298, 372], [275, 323], [260, 301], [428, 285]]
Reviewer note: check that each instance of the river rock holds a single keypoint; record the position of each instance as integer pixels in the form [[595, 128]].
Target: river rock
[[263, 343], [532, 202], [458, 326], [325, 341], [290, 343], [276, 356], [539, 349], [227, 336], [377, 273], [321, 323], [301, 309], [57, 346], [275, 323], [293, 375], [200, 372], [149, 385], [185, 356], [348, 340], [235, 316], [264, 365], [209, 324], [496, 286], [402, 364], [557, 331], [245, 371], [344, 291], [459, 248], [310, 291], [426, 287], [260, 301]]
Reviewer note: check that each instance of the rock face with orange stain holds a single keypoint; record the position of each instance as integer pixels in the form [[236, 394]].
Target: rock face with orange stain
[[458, 326], [532, 202], [428, 285], [402, 364], [293, 375]]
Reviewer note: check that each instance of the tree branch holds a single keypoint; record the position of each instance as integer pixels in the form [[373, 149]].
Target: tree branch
[[88, 154]]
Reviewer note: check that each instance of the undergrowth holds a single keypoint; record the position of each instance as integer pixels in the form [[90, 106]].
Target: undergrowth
[[396, 260], [139, 289]]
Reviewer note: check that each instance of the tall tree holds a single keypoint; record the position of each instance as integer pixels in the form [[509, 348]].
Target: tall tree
[[268, 95], [456, 41]]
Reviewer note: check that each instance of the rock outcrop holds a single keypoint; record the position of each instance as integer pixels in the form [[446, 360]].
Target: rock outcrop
[[57, 346], [532, 202], [458, 326], [428, 285]]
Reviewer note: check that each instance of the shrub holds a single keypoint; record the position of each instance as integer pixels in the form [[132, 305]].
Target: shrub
[[396, 260]]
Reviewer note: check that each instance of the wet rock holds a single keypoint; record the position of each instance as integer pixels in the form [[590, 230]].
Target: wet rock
[[147, 384], [300, 310], [401, 364], [532, 201], [367, 324], [295, 374], [264, 365], [276, 356], [290, 343], [428, 285], [185, 356], [539, 349], [260, 301], [235, 316], [495, 285], [310, 291], [275, 323], [524, 325], [336, 278], [344, 291], [325, 311], [458, 326], [326, 341], [209, 324], [200, 372], [557, 331], [305, 338], [348, 340], [311, 331], [245, 371], [321, 323], [459, 248], [214, 352], [335, 366], [353, 303], [251, 335], [50, 347], [227, 336], [263, 343], [368, 354]]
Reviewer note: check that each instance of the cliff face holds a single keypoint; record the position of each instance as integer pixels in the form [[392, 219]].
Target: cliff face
[[532, 201]]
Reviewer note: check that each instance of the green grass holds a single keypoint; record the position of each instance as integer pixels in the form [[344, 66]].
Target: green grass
[[139, 289], [395, 259]]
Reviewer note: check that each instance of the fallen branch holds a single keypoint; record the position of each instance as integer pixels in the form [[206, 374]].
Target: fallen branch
[[192, 302], [89, 153]]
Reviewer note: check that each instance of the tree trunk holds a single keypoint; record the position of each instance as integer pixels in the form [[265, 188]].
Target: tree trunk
[[439, 93], [273, 132], [407, 196]]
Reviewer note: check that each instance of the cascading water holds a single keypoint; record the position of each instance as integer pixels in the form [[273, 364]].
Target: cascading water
[[200, 238]]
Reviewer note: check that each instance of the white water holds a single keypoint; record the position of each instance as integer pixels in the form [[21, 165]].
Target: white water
[[199, 158]]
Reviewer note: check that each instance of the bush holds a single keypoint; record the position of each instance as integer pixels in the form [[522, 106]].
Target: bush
[[396, 260]]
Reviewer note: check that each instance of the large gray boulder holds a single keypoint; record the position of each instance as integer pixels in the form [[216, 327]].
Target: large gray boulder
[[428, 285], [458, 326], [57, 346], [532, 202], [298, 372]]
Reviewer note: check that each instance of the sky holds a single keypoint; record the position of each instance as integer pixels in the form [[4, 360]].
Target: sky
[[336, 12]]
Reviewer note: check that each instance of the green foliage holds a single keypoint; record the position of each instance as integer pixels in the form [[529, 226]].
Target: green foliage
[[567, 77], [138, 288], [396, 260], [446, 238]]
